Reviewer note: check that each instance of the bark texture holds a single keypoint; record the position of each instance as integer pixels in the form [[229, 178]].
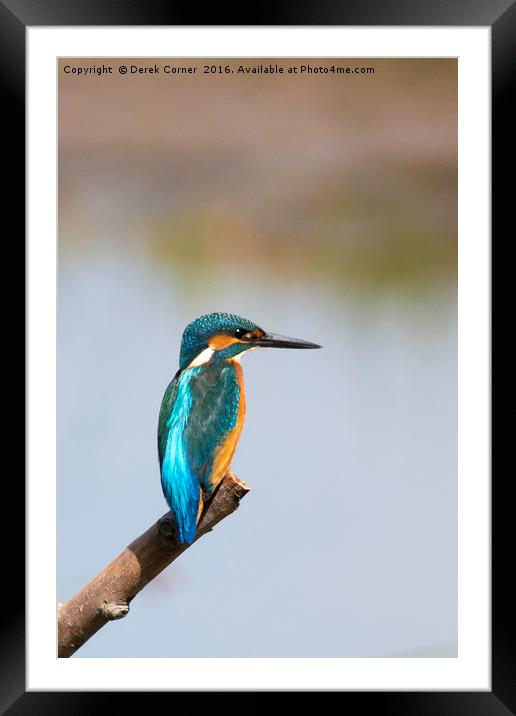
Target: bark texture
[[109, 594]]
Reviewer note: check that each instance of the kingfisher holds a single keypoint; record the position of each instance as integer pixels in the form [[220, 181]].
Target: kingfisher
[[203, 409]]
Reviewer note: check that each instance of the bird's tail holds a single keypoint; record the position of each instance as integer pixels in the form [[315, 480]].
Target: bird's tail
[[185, 502]]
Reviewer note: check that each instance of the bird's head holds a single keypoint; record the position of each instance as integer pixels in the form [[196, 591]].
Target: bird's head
[[224, 335]]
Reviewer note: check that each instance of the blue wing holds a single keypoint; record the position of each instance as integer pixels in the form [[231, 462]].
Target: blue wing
[[199, 408], [215, 401]]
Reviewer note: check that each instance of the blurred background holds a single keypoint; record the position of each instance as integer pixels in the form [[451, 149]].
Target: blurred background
[[319, 206]]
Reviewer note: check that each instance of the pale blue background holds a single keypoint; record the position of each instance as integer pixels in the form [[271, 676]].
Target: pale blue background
[[347, 543]]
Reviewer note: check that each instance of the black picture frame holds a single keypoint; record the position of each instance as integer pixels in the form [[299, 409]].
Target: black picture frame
[[500, 16]]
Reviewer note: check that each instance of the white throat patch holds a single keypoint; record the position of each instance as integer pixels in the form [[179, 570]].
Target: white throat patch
[[239, 356], [203, 358], [206, 355]]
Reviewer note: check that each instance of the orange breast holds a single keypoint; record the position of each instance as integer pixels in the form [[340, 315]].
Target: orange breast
[[224, 454]]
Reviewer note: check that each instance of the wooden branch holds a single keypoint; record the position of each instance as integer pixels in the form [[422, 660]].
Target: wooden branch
[[109, 594]]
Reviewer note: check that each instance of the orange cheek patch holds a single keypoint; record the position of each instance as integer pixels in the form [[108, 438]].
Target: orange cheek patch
[[218, 343], [222, 341], [258, 333]]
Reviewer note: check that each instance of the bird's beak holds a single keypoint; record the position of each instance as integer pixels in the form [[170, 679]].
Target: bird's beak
[[271, 340]]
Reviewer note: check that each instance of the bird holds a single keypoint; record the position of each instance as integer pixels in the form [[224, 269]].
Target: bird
[[203, 409]]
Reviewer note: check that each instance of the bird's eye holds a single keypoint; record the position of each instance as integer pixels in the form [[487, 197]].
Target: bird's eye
[[240, 332]]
